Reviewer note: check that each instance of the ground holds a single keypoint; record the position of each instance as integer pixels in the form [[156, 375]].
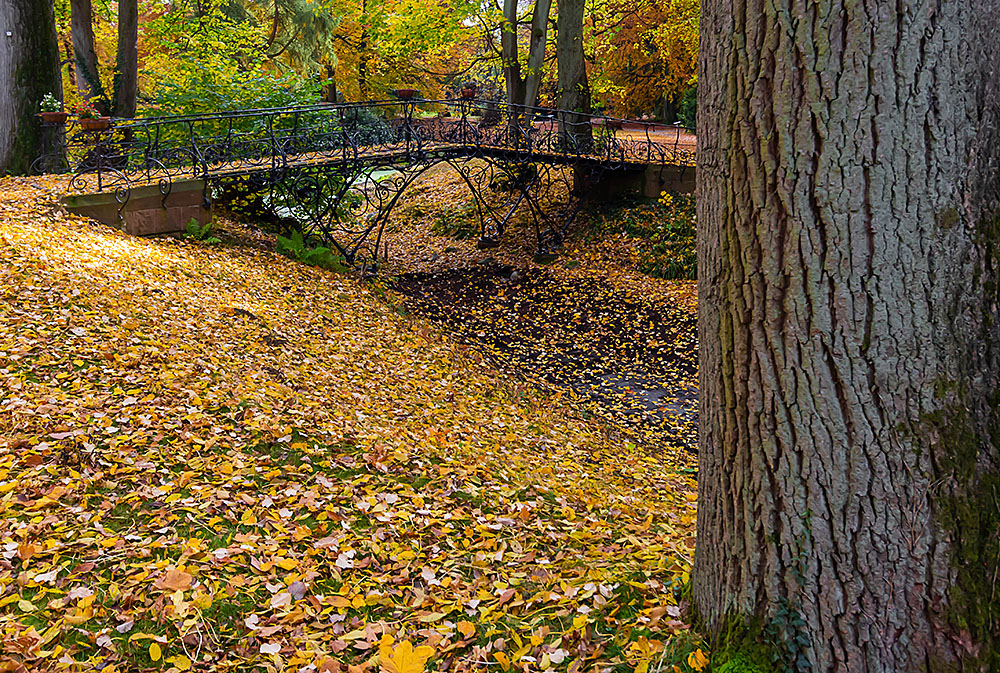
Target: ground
[[214, 458]]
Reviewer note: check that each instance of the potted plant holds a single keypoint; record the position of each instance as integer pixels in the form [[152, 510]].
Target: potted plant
[[50, 110], [469, 89], [405, 94], [90, 118]]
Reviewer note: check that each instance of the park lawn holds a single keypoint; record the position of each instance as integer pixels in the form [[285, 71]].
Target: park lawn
[[214, 458]]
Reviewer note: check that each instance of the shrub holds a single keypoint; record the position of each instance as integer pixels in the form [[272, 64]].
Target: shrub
[[687, 110], [663, 234]]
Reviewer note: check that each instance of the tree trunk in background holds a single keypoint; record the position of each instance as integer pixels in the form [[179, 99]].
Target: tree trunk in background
[[363, 54], [536, 51], [574, 91], [84, 55], [849, 266], [29, 69], [508, 49], [127, 65]]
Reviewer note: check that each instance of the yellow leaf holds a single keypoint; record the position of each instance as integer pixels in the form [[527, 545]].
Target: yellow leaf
[[181, 662], [80, 616], [359, 601], [467, 629], [579, 621], [339, 602], [502, 658], [248, 518], [26, 606], [154, 651], [697, 660], [403, 658]]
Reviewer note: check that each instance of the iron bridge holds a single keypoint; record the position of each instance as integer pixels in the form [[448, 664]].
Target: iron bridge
[[338, 170]]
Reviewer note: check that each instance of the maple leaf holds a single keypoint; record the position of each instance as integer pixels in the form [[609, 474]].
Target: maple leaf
[[402, 657]]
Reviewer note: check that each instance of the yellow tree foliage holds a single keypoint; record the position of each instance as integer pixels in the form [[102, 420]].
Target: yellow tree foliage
[[644, 53]]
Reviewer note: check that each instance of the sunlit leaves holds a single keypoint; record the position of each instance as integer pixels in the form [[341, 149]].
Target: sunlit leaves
[[162, 485]]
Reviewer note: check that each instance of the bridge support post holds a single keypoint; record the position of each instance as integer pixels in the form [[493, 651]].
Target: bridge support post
[[148, 210]]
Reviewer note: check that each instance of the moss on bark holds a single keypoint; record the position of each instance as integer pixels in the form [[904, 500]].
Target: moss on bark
[[966, 445]]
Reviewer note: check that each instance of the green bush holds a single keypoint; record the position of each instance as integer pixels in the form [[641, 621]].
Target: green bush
[[204, 92], [663, 234]]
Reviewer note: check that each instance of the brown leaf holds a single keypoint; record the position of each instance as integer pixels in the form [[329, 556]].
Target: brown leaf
[[174, 580]]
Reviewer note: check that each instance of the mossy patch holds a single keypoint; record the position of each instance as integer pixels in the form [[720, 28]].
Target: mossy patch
[[947, 218], [755, 645], [966, 454], [967, 506]]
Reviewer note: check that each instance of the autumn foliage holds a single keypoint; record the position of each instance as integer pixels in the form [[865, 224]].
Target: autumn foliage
[[215, 458]]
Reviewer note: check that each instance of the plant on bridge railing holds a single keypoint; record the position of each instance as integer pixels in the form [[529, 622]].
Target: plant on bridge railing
[[295, 246]]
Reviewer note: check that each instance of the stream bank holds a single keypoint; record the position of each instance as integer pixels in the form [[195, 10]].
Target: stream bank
[[632, 361]]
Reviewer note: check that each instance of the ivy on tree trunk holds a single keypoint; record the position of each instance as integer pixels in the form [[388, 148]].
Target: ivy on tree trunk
[[84, 54]]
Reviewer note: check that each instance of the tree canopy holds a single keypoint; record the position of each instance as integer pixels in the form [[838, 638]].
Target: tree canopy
[[640, 57]]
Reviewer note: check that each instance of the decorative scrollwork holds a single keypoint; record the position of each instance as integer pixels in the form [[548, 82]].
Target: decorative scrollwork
[[337, 171]]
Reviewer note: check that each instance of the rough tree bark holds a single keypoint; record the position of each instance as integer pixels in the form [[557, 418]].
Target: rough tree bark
[[84, 54], [573, 88], [127, 64], [29, 69], [849, 247]]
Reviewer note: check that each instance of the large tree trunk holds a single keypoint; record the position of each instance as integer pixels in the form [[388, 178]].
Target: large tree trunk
[[574, 91], [84, 54], [127, 65], [849, 247], [29, 69]]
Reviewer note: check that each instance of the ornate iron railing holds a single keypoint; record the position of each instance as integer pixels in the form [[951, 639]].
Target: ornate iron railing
[[315, 158]]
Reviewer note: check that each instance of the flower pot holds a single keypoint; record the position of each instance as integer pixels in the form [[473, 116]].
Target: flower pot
[[99, 124], [57, 117], [405, 94], [468, 93]]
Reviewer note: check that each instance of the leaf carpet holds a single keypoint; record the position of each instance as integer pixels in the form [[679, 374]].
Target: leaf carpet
[[216, 459]]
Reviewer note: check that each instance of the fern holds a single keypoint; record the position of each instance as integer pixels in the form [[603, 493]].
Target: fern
[[295, 247], [199, 232]]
